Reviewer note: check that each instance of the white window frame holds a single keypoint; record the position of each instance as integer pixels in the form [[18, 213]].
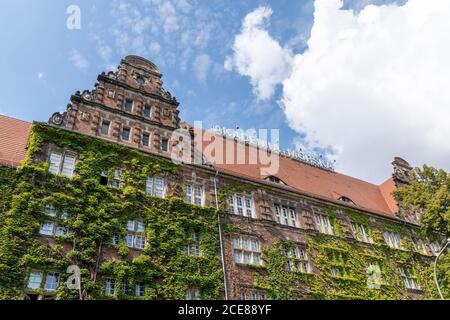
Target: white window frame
[[409, 281], [247, 250], [393, 240], [286, 215], [193, 294], [55, 284], [135, 237], [323, 224], [110, 287], [192, 245], [297, 259], [153, 185], [241, 205], [37, 276], [195, 194], [63, 165], [363, 232]]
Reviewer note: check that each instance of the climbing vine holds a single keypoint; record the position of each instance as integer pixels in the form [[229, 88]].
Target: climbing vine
[[96, 212]]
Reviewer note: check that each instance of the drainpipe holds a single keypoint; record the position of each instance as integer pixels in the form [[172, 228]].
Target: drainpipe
[[435, 268], [225, 286]]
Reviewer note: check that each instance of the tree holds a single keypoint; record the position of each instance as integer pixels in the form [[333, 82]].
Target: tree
[[429, 194]]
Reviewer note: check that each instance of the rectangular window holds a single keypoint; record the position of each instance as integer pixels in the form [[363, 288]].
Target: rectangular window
[[60, 231], [285, 215], [110, 285], [360, 232], [155, 186], [297, 259], [135, 236], [128, 105], [125, 133], [147, 111], [50, 211], [392, 239], [246, 250], [240, 205], [115, 239], [35, 280], [194, 194], [116, 178], [145, 139], [55, 163], [164, 144], [409, 279], [139, 289], [323, 224], [104, 129], [124, 287], [193, 294], [47, 228], [192, 245], [62, 164], [51, 281]]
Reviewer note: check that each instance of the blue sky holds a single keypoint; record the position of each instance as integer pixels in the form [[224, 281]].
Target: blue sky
[[43, 62]]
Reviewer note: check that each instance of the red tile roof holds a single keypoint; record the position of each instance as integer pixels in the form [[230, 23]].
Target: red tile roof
[[14, 135], [320, 183]]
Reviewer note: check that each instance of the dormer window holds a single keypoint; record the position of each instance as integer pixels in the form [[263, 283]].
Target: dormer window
[[274, 180], [346, 200]]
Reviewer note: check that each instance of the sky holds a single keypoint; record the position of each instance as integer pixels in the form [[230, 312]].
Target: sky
[[359, 81]]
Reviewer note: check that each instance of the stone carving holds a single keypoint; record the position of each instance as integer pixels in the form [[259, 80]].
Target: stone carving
[[402, 170], [57, 118], [85, 116]]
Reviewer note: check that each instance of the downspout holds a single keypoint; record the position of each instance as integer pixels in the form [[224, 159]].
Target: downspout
[[220, 238]]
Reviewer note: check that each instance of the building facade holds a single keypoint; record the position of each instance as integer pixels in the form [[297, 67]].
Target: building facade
[[95, 190]]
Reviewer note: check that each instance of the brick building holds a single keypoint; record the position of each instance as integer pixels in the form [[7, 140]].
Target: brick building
[[315, 210]]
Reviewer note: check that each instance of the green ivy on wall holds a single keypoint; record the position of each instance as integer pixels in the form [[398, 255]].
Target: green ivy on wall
[[97, 212]]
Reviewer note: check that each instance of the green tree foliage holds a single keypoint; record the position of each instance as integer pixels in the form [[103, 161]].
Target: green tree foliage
[[429, 194]]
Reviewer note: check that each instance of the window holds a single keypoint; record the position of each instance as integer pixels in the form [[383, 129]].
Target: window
[[110, 287], [409, 279], [35, 280], [115, 239], [246, 250], [242, 296], [335, 272], [124, 287], [253, 296], [135, 236], [47, 228], [115, 182], [192, 245], [164, 144], [285, 215], [62, 164], [297, 259], [194, 194], [147, 111], [145, 139], [128, 105], [360, 232], [125, 133], [240, 205], [155, 186], [392, 239], [193, 294], [51, 281], [140, 79], [51, 227], [421, 247], [323, 224], [274, 179], [435, 248], [104, 130], [139, 289]]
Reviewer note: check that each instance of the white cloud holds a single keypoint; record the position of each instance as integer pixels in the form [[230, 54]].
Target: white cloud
[[78, 60], [40, 75], [258, 56], [154, 47], [373, 85], [201, 65]]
